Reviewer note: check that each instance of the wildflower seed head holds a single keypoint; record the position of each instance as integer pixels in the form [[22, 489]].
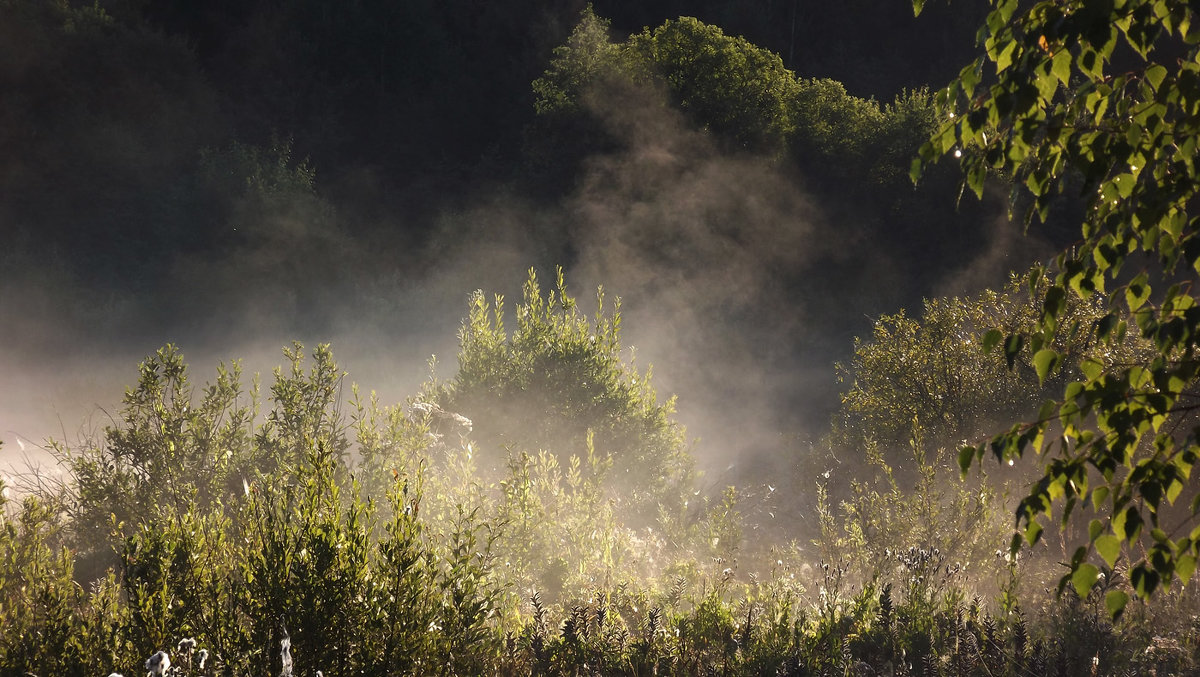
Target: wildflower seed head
[[203, 658], [186, 646], [285, 655], [159, 663]]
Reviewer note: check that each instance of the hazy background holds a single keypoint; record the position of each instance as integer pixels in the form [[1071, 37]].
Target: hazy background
[[400, 183]]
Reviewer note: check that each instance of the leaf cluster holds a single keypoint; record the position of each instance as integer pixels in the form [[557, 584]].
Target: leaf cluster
[[1103, 99]]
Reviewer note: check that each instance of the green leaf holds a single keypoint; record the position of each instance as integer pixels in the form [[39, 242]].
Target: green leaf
[[976, 173], [1115, 602], [1084, 578], [1185, 566], [1130, 524], [1045, 361], [1137, 293], [1091, 368], [1004, 58], [1109, 547], [1155, 75], [991, 339], [1091, 63], [1174, 488], [1173, 224], [1033, 532], [968, 78], [916, 169], [1061, 66], [1125, 183], [1046, 86], [1055, 303], [966, 456]]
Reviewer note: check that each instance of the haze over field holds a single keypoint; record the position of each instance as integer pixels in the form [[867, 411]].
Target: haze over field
[[651, 356], [722, 256], [718, 259]]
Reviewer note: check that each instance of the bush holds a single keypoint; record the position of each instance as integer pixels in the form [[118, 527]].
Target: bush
[[934, 373], [558, 383]]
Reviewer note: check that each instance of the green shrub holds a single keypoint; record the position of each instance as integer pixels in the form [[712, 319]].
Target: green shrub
[[558, 383], [934, 373]]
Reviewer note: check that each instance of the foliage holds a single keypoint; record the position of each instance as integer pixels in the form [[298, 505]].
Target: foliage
[[726, 84], [291, 558], [729, 101], [242, 169], [50, 623], [175, 446], [926, 533], [261, 196], [587, 55], [740, 92], [1101, 100], [932, 373], [558, 383], [168, 449], [278, 543], [831, 124], [236, 589], [730, 86]]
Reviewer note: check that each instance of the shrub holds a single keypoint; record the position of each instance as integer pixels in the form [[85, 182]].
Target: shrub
[[558, 383]]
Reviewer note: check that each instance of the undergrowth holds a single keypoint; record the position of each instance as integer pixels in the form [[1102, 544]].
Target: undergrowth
[[217, 531]]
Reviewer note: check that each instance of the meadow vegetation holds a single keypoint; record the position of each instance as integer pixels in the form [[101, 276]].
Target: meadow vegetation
[[538, 513], [540, 510]]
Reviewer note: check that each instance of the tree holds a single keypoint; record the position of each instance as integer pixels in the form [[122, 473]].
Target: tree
[[929, 373], [727, 84], [589, 54], [739, 92], [598, 95], [1102, 99]]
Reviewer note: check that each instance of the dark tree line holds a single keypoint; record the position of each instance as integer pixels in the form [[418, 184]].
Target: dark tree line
[[110, 102], [174, 155]]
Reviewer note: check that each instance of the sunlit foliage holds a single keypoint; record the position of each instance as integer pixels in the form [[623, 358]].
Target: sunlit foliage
[[558, 382], [725, 84], [1100, 101], [932, 373], [260, 535]]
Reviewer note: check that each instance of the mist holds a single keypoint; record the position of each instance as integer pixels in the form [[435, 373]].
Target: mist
[[737, 284], [332, 197]]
